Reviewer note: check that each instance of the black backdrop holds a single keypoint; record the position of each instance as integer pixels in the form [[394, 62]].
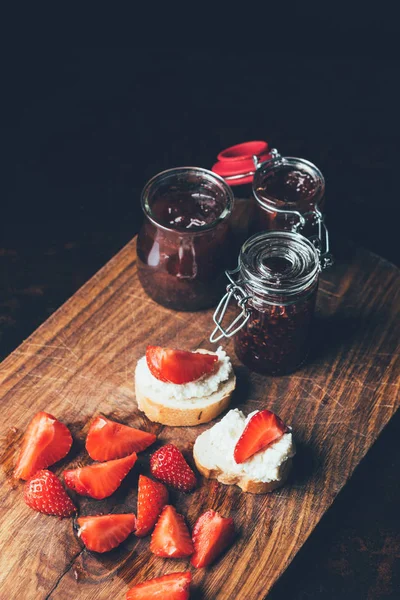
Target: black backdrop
[[84, 129]]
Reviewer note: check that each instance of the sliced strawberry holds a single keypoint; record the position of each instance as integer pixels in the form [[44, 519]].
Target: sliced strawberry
[[263, 428], [107, 440], [100, 480], [152, 497], [171, 537], [178, 366], [105, 532], [45, 442], [43, 492], [169, 466], [172, 587], [211, 535]]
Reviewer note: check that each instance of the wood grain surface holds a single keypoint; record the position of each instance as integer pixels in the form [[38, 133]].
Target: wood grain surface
[[81, 362]]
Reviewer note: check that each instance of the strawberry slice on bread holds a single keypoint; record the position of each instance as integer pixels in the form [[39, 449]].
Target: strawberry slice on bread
[[107, 440], [46, 441], [212, 534], [99, 480], [169, 466], [171, 537], [44, 492], [178, 366], [105, 532], [263, 428], [152, 497], [172, 587]]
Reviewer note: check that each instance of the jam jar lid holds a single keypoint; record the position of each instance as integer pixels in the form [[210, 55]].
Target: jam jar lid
[[276, 263], [237, 164], [276, 267]]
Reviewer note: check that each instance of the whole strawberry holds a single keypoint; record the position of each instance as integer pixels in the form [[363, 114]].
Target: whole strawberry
[[44, 492], [169, 466]]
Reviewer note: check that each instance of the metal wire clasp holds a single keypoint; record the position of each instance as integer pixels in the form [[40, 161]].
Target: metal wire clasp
[[322, 246], [233, 289]]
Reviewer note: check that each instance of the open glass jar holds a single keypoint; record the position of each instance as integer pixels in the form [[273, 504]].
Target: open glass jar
[[289, 194], [275, 285], [183, 246]]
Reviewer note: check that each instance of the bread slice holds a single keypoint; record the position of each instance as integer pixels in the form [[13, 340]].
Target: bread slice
[[194, 411], [245, 484], [263, 472]]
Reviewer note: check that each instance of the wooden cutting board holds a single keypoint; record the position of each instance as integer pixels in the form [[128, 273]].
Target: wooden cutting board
[[81, 362]]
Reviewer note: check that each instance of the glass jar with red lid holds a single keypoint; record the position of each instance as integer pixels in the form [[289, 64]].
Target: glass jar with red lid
[[237, 165], [184, 245], [275, 286]]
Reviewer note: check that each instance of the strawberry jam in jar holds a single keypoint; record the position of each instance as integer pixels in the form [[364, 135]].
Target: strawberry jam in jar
[[183, 247], [275, 285], [289, 194]]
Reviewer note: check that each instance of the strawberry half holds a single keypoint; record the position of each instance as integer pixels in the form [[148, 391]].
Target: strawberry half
[[263, 428], [152, 497], [105, 532], [169, 466], [174, 587], [171, 537], [45, 442], [178, 366], [107, 440], [100, 480], [43, 492], [211, 535]]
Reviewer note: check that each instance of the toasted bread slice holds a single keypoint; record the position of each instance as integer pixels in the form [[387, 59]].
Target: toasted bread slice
[[245, 484], [189, 412]]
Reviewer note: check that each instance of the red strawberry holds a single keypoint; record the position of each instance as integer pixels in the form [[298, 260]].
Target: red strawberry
[[152, 497], [105, 532], [178, 366], [100, 480], [169, 466], [45, 442], [43, 492], [107, 439], [172, 587], [211, 535], [171, 537], [263, 428]]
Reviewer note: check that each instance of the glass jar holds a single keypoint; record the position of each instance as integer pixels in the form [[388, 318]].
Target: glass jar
[[289, 195], [275, 285], [183, 247], [237, 165]]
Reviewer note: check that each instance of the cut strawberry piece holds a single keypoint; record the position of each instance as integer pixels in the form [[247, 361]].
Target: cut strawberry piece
[[100, 480], [263, 428], [211, 535], [107, 440], [44, 492], [172, 587], [105, 532], [152, 497], [169, 466], [178, 366], [45, 442], [171, 537]]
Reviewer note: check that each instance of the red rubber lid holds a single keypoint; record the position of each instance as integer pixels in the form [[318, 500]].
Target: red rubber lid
[[236, 165]]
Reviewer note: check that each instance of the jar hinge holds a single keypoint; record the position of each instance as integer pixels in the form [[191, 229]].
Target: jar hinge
[[323, 249], [233, 289]]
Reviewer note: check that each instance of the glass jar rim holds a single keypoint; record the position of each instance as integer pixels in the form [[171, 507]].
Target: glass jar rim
[[292, 161], [300, 254], [209, 175]]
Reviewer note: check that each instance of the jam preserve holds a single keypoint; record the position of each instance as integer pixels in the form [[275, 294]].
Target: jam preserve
[[183, 246], [276, 289], [289, 195]]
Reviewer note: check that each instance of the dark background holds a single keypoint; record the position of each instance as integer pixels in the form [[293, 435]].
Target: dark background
[[84, 129]]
